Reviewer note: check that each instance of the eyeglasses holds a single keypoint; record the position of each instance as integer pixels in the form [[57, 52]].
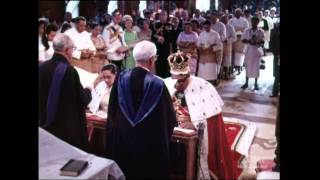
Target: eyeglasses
[[155, 57]]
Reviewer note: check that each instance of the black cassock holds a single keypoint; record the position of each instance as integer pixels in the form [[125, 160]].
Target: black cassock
[[69, 121], [140, 124], [163, 50]]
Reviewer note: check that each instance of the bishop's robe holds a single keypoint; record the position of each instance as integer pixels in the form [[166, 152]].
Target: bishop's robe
[[139, 125]]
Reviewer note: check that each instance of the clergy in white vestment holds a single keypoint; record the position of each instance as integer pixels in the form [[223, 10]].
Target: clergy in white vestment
[[113, 36], [84, 47], [254, 38], [198, 106], [227, 47], [209, 45], [220, 28]]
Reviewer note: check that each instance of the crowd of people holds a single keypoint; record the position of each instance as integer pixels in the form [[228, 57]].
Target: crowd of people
[[191, 53], [216, 41]]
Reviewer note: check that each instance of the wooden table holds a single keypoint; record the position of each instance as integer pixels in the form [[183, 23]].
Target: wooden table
[[96, 134], [189, 140]]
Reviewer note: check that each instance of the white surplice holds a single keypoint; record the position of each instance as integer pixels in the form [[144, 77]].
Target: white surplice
[[81, 41], [208, 69], [44, 54]]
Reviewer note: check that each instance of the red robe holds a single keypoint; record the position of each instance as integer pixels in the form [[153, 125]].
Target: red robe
[[222, 161]]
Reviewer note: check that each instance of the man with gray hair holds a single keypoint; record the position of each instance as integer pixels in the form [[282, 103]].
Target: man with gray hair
[[62, 99], [141, 119]]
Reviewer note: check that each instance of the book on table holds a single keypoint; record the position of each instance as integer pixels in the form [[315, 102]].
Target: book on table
[[73, 167]]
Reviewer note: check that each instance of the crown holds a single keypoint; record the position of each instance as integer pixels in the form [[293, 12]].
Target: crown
[[179, 63]]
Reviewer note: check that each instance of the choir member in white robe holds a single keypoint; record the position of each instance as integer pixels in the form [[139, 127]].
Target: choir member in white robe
[[209, 45], [238, 48], [266, 24], [227, 47], [270, 25], [187, 43], [197, 16], [84, 47], [254, 38], [198, 106], [220, 28], [113, 36], [248, 16], [273, 15], [42, 25], [45, 45], [240, 24]]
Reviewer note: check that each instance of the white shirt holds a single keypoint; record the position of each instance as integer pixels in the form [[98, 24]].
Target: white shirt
[[275, 19], [230, 33], [270, 22], [113, 43], [81, 41], [239, 24], [249, 20], [220, 28], [44, 54], [209, 38], [200, 19]]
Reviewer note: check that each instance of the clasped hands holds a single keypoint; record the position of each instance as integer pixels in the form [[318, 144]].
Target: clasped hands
[[86, 53], [122, 49]]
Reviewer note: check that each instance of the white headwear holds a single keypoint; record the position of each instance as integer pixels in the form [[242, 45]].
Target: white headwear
[[127, 18], [273, 9], [144, 50], [43, 19]]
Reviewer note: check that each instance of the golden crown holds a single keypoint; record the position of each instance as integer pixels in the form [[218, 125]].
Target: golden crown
[[179, 63]]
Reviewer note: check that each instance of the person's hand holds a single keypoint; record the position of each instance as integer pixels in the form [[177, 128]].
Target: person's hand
[[102, 56], [121, 49], [187, 125], [253, 42], [245, 41], [212, 45], [84, 54], [160, 39], [90, 54]]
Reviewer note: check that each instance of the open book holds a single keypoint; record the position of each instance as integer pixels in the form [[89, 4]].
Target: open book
[[97, 95]]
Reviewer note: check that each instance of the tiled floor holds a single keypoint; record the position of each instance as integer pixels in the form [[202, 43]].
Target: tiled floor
[[253, 106]]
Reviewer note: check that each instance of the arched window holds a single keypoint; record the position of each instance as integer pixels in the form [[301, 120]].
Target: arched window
[[73, 7], [113, 5], [203, 5], [142, 6]]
